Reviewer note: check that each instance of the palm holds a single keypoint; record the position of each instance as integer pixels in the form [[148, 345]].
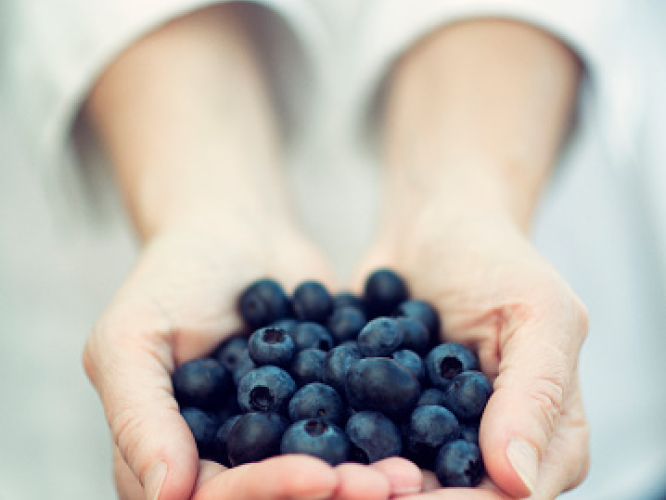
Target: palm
[[498, 296]]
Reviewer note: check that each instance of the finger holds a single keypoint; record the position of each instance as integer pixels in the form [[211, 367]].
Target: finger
[[536, 375], [127, 485], [570, 441], [207, 471], [404, 477], [360, 482], [484, 491], [289, 477], [430, 481], [129, 365]]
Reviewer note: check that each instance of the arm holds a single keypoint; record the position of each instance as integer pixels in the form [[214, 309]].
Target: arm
[[475, 117], [188, 126]]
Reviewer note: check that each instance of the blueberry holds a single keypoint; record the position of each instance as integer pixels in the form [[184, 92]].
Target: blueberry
[[383, 292], [429, 428], [422, 311], [203, 425], [415, 335], [229, 353], [348, 299], [459, 464], [266, 389], [263, 302], [221, 439], [467, 395], [446, 361], [312, 302], [373, 436], [432, 396], [382, 384], [243, 367], [203, 383], [317, 437], [380, 337], [271, 346], [337, 363], [308, 366], [229, 407], [255, 436], [317, 400], [309, 334], [345, 323], [470, 433], [286, 324], [409, 359]]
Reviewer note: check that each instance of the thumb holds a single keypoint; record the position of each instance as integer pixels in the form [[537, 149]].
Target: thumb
[[129, 361], [537, 375]]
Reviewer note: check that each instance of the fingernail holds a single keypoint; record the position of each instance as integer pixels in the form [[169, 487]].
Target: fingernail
[[153, 479], [525, 460]]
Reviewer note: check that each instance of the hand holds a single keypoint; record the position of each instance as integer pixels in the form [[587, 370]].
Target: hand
[[179, 303], [498, 296]]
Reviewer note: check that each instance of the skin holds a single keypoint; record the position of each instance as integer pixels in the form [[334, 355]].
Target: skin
[[475, 117], [187, 124]]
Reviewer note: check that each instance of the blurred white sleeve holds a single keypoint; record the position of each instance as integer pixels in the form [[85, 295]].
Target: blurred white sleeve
[[389, 28], [55, 50]]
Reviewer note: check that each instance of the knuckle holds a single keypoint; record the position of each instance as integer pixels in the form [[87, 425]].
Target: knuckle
[[126, 428], [547, 394]]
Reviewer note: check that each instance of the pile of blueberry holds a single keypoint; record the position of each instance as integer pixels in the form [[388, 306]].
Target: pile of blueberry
[[339, 377]]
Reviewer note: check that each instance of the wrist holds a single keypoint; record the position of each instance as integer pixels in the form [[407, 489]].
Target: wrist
[[473, 191]]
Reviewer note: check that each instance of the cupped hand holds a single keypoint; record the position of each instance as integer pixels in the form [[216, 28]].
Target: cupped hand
[[500, 297], [179, 303]]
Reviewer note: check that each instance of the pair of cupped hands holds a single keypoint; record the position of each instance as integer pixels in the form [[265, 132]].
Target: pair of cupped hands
[[496, 294]]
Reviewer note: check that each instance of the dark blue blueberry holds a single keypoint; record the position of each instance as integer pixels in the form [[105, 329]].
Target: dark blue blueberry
[[267, 388], [459, 464], [221, 438], [309, 334], [244, 366], [411, 360], [336, 366], [429, 428], [467, 395], [380, 337], [230, 352], [373, 436], [312, 302], [317, 437], [446, 361], [383, 292], [415, 336], [271, 346], [422, 311], [345, 323], [255, 436], [317, 400], [263, 302], [348, 299], [229, 407], [203, 383], [286, 324], [382, 384], [470, 433], [308, 366], [432, 396], [203, 425]]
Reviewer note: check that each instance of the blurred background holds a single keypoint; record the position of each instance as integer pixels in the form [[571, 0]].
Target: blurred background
[[57, 274]]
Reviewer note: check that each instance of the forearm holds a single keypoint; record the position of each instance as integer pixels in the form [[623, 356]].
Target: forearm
[[476, 115], [187, 124]]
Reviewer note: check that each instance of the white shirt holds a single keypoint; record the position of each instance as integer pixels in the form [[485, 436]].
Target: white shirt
[[602, 223]]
